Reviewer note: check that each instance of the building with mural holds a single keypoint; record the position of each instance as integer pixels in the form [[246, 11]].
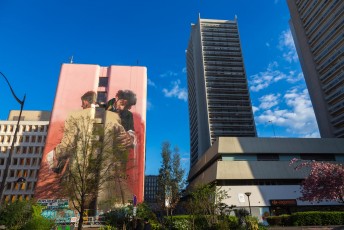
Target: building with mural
[[113, 95]]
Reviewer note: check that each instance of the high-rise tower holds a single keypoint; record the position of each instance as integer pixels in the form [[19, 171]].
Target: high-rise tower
[[219, 100], [318, 31]]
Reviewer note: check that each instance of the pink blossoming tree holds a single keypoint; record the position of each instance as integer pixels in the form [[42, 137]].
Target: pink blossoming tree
[[325, 181]]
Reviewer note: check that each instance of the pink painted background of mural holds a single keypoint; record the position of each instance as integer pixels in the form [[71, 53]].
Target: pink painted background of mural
[[74, 81]]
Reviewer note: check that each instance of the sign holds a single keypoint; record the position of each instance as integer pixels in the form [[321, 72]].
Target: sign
[[54, 203], [289, 202], [134, 200], [134, 211], [241, 197]]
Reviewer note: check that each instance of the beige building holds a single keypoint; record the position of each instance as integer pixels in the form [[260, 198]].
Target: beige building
[[317, 28], [219, 100], [27, 154], [261, 166]]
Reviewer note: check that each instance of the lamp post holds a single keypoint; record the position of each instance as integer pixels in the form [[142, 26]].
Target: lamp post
[[273, 127], [248, 194], [9, 158]]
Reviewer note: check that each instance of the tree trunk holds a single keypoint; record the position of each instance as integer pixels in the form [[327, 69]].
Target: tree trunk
[[81, 214]]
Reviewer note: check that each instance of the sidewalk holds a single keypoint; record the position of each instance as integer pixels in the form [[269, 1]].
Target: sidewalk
[[308, 228]]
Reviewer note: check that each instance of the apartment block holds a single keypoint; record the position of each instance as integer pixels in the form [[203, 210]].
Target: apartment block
[[26, 155], [318, 31]]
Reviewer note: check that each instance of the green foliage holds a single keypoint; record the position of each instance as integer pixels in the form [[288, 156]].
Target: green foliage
[[205, 204], [117, 217], [282, 220], [144, 211], [233, 222], [15, 215], [317, 218], [171, 177], [39, 223], [251, 223], [107, 227], [181, 224], [23, 215], [241, 214]]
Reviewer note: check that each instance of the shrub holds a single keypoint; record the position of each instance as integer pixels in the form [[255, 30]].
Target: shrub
[[39, 222], [233, 222], [282, 220], [317, 218], [251, 223]]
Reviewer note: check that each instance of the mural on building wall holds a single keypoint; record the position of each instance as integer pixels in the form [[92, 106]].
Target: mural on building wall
[[123, 109]]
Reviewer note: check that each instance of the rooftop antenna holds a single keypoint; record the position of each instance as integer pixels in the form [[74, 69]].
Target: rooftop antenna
[[71, 59]]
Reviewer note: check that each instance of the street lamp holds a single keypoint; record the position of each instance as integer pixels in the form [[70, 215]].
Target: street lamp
[[9, 158], [248, 194]]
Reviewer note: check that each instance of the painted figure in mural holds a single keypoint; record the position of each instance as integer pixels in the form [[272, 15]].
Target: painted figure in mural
[[121, 104], [88, 100], [57, 160]]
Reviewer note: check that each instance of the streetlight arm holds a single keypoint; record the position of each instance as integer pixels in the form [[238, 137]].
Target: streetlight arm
[[14, 95]]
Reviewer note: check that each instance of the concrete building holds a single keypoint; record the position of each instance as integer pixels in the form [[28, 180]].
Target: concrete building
[[27, 154], [219, 100], [151, 188], [317, 28], [261, 166], [111, 97]]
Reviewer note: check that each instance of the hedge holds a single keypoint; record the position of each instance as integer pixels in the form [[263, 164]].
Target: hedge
[[307, 219]]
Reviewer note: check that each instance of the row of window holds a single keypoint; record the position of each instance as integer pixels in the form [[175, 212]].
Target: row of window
[[21, 139], [22, 149], [276, 157], [23, 128], [13, 198]]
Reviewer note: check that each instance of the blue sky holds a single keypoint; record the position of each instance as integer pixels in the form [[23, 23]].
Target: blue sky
[[38, 36]]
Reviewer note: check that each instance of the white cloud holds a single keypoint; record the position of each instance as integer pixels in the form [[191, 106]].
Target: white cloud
[[184, 70], [267, 44], [151, 83], [268, 101], [169, 74], [272, 75], [286, 44], [176, 91], [149, 105], [263, 79], [255, 108], [298, 118]]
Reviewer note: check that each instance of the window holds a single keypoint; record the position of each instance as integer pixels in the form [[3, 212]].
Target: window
[[101, 97], [267, 157], [318, 157], [103, 82], [33, 139]]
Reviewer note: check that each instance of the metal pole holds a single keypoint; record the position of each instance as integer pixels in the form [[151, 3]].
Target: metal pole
[[9, 158], [249, 205]]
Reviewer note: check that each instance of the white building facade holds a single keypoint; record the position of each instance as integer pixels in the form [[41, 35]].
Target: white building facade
[[261, 167]]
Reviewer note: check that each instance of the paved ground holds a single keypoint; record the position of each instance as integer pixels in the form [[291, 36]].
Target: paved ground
[[309, 228]]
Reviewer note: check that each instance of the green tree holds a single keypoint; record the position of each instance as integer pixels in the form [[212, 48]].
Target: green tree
[[171, 178], [90, 157], [205, 202], [23, 215]]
